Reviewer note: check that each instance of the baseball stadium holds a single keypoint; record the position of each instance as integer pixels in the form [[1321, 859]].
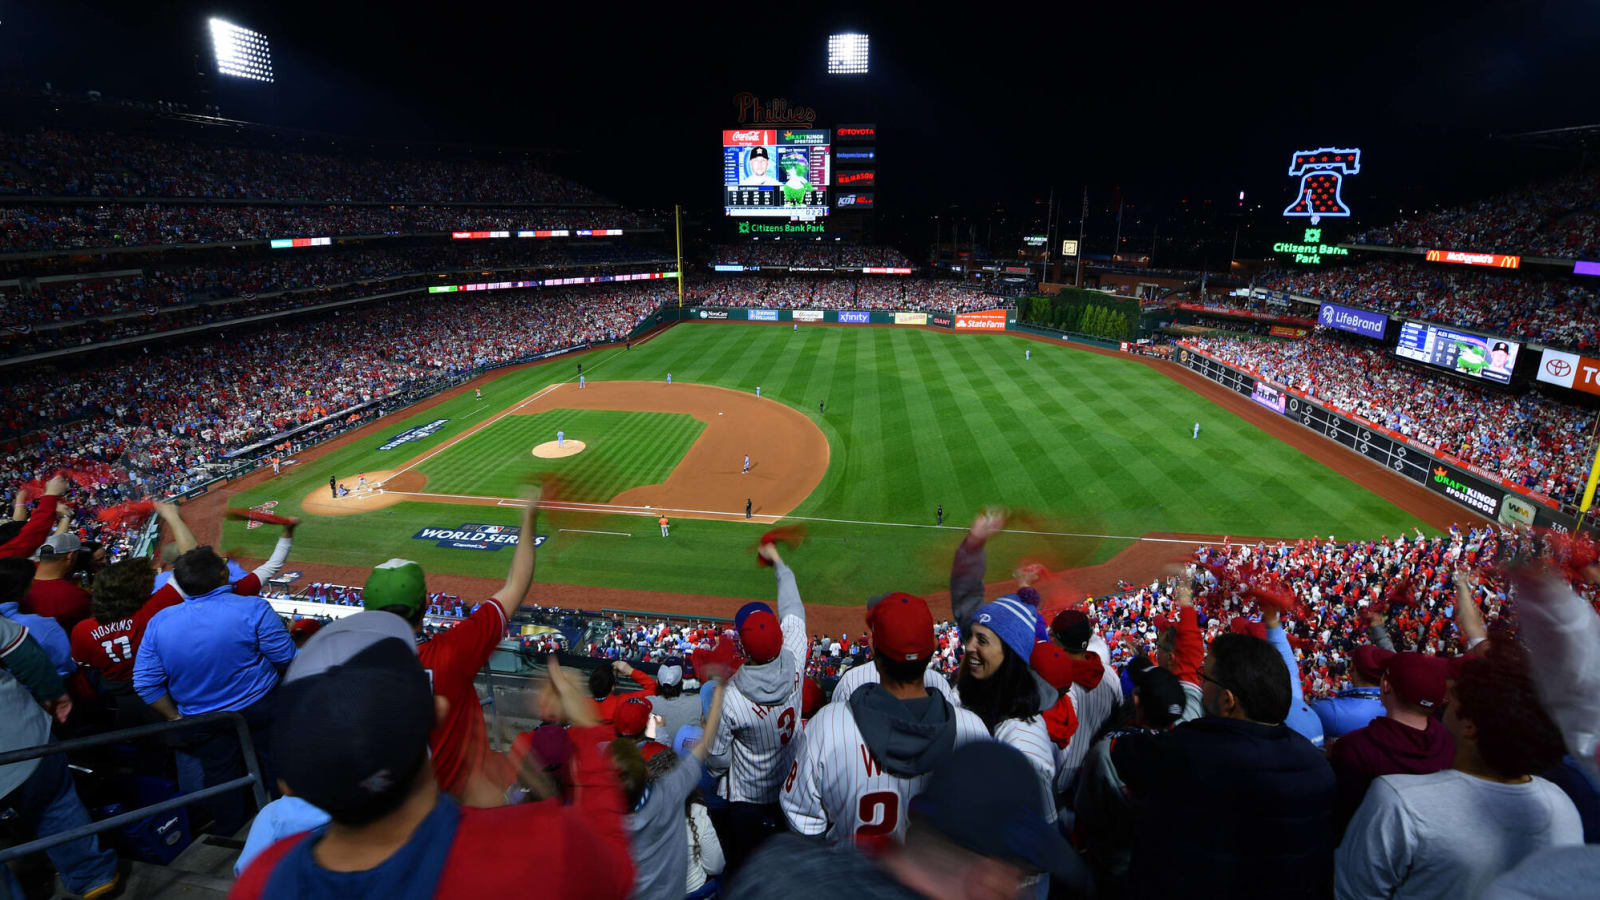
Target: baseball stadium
[[424, 483]]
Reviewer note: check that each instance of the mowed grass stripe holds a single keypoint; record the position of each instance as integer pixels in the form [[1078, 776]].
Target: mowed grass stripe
[[623, 450]]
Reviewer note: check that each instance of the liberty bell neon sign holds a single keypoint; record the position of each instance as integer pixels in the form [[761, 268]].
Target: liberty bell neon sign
[[1321, 173]]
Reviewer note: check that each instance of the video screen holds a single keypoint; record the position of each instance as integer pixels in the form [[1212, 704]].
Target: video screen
[[776, 172], [1489, 358]]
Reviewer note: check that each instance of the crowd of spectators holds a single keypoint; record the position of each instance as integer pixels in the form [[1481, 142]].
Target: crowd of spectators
[[870, 292], [1528, 438], [108, 224], [1411, 716], [822, 254], [55, 162], [154, 422], [1557, 310], [1560, 218]]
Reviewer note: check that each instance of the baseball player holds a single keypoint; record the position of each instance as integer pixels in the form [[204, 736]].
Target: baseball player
[[669, 378], [754, 748], [361, 483], [758, 390], [746, 465], [747, 507], [797, 328], [663, 523], [821, 405], [561, 440], [276, 462], [861, 762], [581, 382], [1197, 429], [1027, 353], [477, 393]]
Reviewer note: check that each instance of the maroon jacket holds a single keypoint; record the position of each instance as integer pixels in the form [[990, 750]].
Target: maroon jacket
[[1385, 747]]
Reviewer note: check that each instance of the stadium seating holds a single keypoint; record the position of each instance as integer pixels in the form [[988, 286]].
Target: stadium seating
[[1560, 218], [869, 292], [1531, 439]]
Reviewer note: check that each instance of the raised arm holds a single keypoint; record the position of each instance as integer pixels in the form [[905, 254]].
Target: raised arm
[[968, 567], [1273, 620], [1563, 637], [788, 591], [280, 555], [38, 526], [1377, 633], [1469, 618], [520, 578], [181, 535]]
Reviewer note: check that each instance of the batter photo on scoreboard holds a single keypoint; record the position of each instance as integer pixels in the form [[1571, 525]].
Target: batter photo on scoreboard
[[756, 168]]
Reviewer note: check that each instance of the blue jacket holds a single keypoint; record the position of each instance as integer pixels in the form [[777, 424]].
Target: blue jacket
[[1301, 718], [1348, 710], [215, 651], [48, 633]]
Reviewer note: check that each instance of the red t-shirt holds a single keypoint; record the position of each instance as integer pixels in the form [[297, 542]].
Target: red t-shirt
[[460, 743], [578, 850], [608, 705], [59, 599], [110, 648]]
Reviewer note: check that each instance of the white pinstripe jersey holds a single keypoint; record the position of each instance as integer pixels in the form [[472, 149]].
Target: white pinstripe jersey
[[867, 673], [1033, 740], [1093, 708], [759, 741], [837, 788]]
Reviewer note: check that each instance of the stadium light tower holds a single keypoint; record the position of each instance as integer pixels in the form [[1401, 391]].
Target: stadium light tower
[[241, 52], [847, 54]]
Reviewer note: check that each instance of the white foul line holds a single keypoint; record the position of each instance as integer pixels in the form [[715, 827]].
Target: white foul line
[[614, 509], [482, 425], [587, 531]]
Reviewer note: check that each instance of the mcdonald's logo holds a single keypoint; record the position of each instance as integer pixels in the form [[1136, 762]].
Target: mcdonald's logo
[[1465, 258]]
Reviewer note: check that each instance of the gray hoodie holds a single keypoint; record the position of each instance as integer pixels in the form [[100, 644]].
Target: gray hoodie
[[908, 737]]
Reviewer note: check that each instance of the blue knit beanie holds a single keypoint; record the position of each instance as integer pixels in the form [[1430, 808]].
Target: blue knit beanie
[[1018, 624]]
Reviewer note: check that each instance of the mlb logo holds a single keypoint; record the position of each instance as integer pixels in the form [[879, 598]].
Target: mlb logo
[[492, 529]]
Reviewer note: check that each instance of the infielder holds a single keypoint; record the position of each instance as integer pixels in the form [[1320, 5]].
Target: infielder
[[561, 440], [663, 523], [669, 378], [755, 746], [1197, 429], [580, 381], [758, 390], [860, 762], [746, 465]]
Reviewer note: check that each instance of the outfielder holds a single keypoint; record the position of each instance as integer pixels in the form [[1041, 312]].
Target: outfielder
[[1027, 353], [754, 748], [663, 523], [1197, 429], [477, 393], [862, 760]]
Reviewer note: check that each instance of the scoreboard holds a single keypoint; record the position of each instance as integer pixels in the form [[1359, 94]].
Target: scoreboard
[[776, 172]]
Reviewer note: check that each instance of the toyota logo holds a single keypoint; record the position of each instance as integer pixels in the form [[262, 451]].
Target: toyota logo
[[1560, 368]]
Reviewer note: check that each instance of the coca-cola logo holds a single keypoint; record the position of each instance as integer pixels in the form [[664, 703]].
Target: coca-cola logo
[[745, 135], [1560, 368]]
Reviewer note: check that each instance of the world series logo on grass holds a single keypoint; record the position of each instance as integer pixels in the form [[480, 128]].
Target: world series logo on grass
[[413, 434], [472, 536]]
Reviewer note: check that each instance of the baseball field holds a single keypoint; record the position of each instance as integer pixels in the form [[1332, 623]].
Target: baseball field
[[860, 433]]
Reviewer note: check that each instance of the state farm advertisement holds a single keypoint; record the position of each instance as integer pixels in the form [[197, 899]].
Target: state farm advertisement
[[985, 320]]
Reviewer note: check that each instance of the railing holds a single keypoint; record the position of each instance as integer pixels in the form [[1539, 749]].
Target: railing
[[251, 778]]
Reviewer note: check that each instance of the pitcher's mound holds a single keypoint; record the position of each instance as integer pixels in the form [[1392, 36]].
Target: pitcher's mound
[[549, 449]]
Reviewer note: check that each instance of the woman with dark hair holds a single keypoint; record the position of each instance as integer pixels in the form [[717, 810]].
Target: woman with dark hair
[[706, 861], [996, 683], [655, 819]]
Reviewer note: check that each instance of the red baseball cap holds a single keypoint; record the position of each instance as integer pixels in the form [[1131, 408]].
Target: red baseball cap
[[810, 698], [1369, 660], [902, 628], [632, 717], [1417, 678], [761, 636], [1052, 663]]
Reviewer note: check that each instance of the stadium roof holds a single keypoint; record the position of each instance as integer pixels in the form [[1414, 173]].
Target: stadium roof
[[1574, 137]]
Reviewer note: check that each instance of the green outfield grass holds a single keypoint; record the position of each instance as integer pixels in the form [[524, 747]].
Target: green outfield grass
[[639, 448], [1093, 444]]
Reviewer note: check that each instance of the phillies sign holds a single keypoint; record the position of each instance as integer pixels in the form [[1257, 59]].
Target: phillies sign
[[776, 111]]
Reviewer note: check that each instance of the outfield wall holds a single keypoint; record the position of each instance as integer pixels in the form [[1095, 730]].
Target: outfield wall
[[978, 320], [1477, 489]]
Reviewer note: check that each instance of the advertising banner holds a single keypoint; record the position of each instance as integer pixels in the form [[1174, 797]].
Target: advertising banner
[[1585, 267], [885, 270], [854, 316], [763, 315], [1467, 258], [1284, 331], [858, 179], [1270, 397], [1355, 321], [1569, 370], [712, 314], [856, 133], [988, 319], [807, 315], [1464, 489], [941, 321], [910, 318]]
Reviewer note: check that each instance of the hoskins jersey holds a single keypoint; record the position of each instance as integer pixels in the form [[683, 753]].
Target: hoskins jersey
[[837, 788]]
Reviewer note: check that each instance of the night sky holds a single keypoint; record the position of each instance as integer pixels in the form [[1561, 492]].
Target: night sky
[[984, 109]]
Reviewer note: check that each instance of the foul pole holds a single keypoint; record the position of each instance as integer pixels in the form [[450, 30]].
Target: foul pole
[[677, 239]]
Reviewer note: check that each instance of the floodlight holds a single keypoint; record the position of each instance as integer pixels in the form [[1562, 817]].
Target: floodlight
[[241, 52], [847, 54]]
